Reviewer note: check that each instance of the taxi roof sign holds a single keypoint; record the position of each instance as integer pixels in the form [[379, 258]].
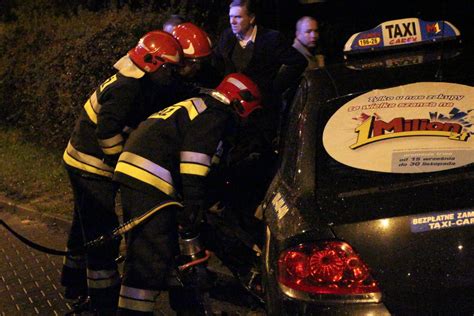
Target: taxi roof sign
[[402, 32]]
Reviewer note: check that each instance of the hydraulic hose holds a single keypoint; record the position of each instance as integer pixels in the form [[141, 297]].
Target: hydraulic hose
[[116, 233], [207, 255], [33, 244]]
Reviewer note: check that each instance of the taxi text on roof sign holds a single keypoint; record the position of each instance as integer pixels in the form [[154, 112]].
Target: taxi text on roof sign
[[401, 32]]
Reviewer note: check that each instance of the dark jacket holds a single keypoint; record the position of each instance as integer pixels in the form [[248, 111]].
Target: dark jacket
[[271, 51], [118, 105], [172, 150]]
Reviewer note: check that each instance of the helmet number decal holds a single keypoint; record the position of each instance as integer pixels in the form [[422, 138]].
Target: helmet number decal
[[108, 82]]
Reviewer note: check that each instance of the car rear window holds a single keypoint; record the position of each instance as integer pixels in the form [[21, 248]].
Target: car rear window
[[398, 150]]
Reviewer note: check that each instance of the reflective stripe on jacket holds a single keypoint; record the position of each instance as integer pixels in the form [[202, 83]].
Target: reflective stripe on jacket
[[119, 104], [172, 150], [91, 164]]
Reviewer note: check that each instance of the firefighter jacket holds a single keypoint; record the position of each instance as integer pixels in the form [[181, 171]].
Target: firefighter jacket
[[115, 108], [173, 150]]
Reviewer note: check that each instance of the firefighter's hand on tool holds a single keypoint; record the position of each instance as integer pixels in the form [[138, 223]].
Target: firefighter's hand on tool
[[190, 218]]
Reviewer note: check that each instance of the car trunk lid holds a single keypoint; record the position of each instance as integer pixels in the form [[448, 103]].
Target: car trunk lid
[[422, 261]]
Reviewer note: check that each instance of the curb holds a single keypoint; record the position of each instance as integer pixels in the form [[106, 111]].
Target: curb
[[13, 207]]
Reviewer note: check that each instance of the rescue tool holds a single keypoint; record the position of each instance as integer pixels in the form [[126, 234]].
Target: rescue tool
[[115, 234]]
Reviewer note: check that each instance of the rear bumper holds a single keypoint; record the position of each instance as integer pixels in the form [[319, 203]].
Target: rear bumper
[[289, 306]]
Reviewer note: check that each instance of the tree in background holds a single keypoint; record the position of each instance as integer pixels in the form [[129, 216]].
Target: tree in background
[[53, 53], [6, 10]]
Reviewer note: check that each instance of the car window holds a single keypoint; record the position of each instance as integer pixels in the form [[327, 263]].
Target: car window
[[429, 160]]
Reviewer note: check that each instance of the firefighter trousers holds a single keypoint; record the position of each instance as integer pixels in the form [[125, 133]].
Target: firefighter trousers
[[150, 260], [95, 273]]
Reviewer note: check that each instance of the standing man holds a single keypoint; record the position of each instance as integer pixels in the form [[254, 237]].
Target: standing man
[[97, 140], [256, 51], [168, 158], [269, 59], [265, 56], [307, 42]]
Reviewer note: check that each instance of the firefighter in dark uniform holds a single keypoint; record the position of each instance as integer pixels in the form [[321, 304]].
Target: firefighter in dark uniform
[[196, 71], [167, 158], [196, 46], [118, 105]]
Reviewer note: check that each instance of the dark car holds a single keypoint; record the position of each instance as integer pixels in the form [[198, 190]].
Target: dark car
[[372, 208]]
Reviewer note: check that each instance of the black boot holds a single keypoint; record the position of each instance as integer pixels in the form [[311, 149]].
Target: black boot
[[74, 292], [82, 304]]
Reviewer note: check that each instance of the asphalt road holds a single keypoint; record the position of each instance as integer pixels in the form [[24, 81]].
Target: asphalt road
[[29, 279]]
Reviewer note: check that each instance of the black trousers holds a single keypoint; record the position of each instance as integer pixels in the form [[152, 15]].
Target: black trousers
[[151, 252], [151, 247], [94, 274]]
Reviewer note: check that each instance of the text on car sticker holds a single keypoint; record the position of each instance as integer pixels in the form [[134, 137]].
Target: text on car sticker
[[401, 32], [372, 130], [435, 221], [414, 128]]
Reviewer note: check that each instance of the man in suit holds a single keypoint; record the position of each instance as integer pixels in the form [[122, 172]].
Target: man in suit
[[268, 58], [256, 51], [264, 55]]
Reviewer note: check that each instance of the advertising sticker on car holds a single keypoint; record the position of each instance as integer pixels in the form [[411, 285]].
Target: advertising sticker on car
[[419, 127], [435, 221]]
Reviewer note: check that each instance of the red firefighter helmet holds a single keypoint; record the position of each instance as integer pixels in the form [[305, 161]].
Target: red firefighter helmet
[[242, 93], [154, 49], [194, 40]]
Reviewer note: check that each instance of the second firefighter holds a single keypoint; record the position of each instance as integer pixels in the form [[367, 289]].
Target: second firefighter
[[168, 157]]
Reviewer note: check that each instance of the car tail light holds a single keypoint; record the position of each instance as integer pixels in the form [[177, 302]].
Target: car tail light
[[330, 267]]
